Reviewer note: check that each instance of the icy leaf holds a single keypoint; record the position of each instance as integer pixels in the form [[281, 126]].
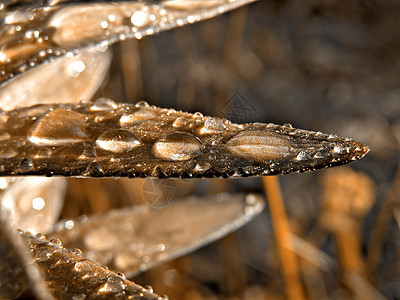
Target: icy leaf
[[35, 32], [136, 239], [106, 139], [69, 276]]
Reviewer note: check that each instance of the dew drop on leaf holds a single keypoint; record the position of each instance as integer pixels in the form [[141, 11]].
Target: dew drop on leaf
[[113, 285], [56, 242], [142, 104], [103, 104], [82, 266], [202, 166], [197, 115], [259, 145], [118, 141], [179, 122], [134, 118], [339, 149], [77, 252], [25, 166], [319, 154], [59, 127], [302, 156], [212, 125], [7, 152], [178, 146]]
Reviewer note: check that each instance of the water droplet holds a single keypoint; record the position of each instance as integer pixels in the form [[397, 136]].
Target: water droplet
[[179, 122], [139, 18], [111, 17], [212, 125], [202, 166], [177, 146], [319, 154], [197, 115], [103, 104], [113, 285], [118, 141], [39, 236], [149, 288], [136, 117], [332, 136], [142, 104], [75, 68], [104, 24], [339, 149], [259, 145], [84, 266], [56, 242], [43, 255], [94, 169], [25, 166], [59, 127], [7, 152], [38, 203], [69, 224], [103, 46], [77, 251], [302, 156]]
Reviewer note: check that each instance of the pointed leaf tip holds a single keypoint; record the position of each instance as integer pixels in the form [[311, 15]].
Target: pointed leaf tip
[[106, 139]]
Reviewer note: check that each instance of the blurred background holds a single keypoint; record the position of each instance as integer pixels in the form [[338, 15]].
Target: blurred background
[[322, 65]]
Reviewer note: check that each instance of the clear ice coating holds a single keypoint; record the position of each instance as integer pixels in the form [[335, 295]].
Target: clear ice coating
[[148, 236], [33, 32], [106, 139]]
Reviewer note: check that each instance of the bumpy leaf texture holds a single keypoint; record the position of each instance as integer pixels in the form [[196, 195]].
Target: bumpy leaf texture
[[106, 139], [69, 276]]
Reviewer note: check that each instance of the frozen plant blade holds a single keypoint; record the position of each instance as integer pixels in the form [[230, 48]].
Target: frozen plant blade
[[69, 276], [36, 32], [136, 239], [63, 80], [106, 139]]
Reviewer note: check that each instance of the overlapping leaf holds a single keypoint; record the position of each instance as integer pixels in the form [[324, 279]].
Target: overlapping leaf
[[70, 276], [32, 32], [147, 236]]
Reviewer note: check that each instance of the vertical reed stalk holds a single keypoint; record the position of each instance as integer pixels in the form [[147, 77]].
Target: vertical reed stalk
[[288, 259]]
